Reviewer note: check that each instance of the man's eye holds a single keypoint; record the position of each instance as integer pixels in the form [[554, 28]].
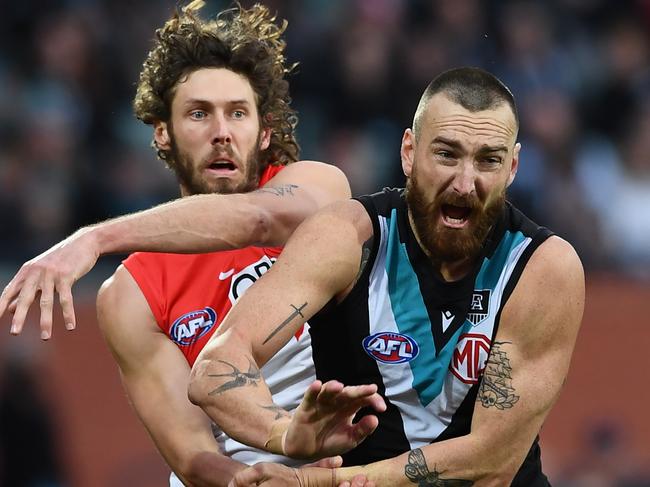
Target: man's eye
[[444, 154], [238, 114], [198, 114]]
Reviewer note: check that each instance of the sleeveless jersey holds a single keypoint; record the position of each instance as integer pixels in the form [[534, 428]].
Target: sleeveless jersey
[[189, 296], [423, 341]]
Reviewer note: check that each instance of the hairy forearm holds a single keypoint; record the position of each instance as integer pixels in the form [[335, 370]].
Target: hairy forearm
[[228, 385], [200, 223]]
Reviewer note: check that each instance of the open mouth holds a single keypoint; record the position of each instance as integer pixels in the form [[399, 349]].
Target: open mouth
[[455, 216], [222, 165]]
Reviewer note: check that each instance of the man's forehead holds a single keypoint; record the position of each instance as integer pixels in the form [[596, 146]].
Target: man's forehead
[[215, 85], [444, 116]]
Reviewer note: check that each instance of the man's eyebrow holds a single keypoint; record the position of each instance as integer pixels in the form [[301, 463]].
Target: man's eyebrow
[[202, 101], [493, 148], [451, 143]]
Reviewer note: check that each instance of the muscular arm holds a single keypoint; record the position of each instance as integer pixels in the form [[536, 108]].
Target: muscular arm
[[307, 275], [192, 224], [155, 375], [527, 366]]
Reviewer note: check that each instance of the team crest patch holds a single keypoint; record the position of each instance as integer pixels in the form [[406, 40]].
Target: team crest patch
[[479, 307], [193, 325], [391, 348]]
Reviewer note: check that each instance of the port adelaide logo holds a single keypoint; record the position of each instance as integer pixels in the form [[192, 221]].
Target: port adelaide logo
[[391, 348], [193, 325], [479, 308]]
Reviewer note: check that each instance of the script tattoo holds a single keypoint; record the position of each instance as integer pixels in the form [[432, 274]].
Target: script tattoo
[[239, 378], [416, 471], [296, 312], [279, 412], [286, 189], [496, 385]]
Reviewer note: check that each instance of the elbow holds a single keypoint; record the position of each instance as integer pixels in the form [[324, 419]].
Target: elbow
[[197, 391]]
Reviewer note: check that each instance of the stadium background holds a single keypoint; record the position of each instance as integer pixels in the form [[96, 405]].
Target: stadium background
[[71, 153]]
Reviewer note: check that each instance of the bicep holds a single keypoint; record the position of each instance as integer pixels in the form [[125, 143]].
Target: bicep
[[295, 193], [154, 372], [530, 356], [319, 262]]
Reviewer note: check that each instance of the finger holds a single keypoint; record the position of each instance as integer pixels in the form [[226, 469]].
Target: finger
[[25, 300], [7, 296], [311, 393], [330, 392], [46, 302], [249, 476], [67, 304], [12, 306], [363, 428], [329, 462], [359, 481]]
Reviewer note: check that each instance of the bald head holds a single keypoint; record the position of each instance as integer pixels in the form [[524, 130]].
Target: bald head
[[472, 88]]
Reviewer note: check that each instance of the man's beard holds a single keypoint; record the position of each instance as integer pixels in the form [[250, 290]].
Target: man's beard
[[451, 244], [189, 175]]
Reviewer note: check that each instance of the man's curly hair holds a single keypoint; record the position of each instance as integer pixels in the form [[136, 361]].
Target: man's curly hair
[[247, 42]]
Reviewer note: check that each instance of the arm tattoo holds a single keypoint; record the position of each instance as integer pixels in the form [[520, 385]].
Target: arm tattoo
[[296, 312], [417, 472], [286, 189], [239, 378], [496, 385], [279, 412]]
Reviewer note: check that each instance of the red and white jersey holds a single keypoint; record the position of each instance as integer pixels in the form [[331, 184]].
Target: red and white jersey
[[189, 296]]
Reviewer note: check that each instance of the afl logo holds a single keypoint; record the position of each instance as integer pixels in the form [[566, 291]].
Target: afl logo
[[193, 325], [391, 348]]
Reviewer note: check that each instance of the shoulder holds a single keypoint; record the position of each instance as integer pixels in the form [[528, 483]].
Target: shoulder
[[315, 173], [120, 300], [548, 301]]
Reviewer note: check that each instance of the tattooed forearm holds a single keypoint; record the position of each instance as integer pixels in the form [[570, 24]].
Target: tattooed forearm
[[279, 412], [496, 385], [416, 471], [239, 378], [296, 312], [284, 190]]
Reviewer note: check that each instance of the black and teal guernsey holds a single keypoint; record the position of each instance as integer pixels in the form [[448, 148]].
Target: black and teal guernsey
[[423, 341]]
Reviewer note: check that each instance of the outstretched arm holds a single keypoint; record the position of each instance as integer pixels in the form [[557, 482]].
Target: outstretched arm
[[155, 375], [194, 224], [319, 263]]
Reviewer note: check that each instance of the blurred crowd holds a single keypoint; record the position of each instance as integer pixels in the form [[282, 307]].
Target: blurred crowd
[[72, 153]]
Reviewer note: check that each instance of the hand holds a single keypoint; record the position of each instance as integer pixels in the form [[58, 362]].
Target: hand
[[275, 475], [57, 269], [322, 424]]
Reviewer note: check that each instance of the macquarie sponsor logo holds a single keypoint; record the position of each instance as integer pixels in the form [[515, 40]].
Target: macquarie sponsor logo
[[247, 276], [391, 348], [470, 356], [193, 325]]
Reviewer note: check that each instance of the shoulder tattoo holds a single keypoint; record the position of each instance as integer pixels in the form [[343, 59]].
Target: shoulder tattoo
[[496, 384], [283, 190], [417, 472]]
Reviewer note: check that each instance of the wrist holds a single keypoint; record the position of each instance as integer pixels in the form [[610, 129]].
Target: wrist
[[275, 442]]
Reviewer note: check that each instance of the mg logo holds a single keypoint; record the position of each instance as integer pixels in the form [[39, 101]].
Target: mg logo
[[470, 357]]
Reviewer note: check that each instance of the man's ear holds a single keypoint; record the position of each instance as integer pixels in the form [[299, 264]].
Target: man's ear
[[515, 163], [407, 152], [161, 135], [265, 140]]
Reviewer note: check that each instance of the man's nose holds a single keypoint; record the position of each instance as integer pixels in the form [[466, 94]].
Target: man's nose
[[221, 131], [464, 182]]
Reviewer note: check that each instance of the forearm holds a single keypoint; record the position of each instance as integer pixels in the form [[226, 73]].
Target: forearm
[[459, 461], [228, 385], [208, 469], [200, 223]]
